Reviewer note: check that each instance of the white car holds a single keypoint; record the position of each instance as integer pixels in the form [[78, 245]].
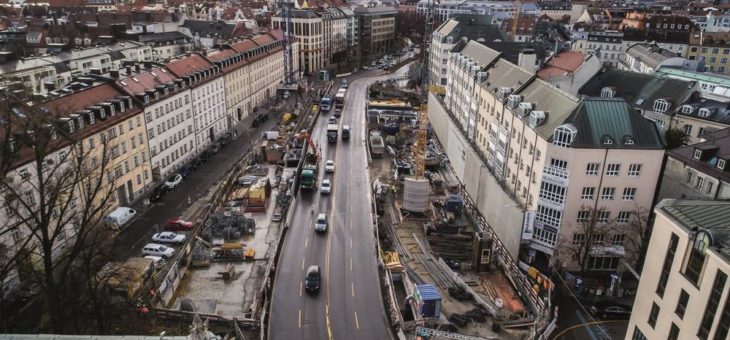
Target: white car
[[320, 225], [155, 249], [326, 186], [168, 237], [174, 181], [329, 166]]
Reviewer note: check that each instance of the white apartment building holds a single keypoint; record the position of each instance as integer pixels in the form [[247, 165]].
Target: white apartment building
[[168, 113], [606, 45], [684, 292], [207, 96]]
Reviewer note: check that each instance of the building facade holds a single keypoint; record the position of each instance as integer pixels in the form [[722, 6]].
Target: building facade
[[377, 32], [710, 48], [684, 294], [606, 45]]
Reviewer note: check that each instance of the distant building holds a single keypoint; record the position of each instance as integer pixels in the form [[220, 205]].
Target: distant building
[[647, 58], [569, 70], [167, 45], [712, 85], [377, 32], [711, 49], [683, 292], [605, 45]]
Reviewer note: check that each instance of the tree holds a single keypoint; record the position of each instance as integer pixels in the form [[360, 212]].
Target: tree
[[675, 138], [55, 193]]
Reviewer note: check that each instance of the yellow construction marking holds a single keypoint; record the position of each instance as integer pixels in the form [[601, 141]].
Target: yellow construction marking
[[585, 324], [300, 318], [327, 316], [357, 322], [302, 263]]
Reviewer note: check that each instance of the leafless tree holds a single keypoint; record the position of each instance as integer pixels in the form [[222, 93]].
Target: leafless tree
[[54, 197]]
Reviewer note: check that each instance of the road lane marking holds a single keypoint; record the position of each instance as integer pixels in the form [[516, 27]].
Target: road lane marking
[[301, 288], [350, 263], [302, 263], [300, 318], [350, 242], [327, 317], [306, 242], [353, 289], [357, 322]]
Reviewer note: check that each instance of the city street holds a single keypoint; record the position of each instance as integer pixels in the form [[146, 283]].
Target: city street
[[131, 240], [576, 324], [349, 304]]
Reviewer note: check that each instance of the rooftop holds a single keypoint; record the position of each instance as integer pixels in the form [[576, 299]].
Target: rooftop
[[710, 216], [694, 75], [564, 63], [188, 65], [717, 144], [650, 54], [473, 27]]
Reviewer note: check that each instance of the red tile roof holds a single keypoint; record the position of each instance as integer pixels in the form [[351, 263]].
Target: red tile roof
[[145, 80], [188, 65], [564, 63], [221, 55], [81, 99], [263, 40], [243, 46]]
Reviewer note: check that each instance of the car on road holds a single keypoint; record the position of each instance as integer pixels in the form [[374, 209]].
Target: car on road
[[157, 194], [610, 310], [326, 186], [173, 181], [168, 237], [276, 217], [313, 279], [320, 224], [344, 83], [178, 224], [332, 120], [186, 170], [155, 249], [374, 63], [329, 166], [338, 113]]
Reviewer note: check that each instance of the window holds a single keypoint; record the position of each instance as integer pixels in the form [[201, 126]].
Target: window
[[623, 217], [724, 325], [707, 320], [579, 239], [721, 164], [564, 135], [634, 170], [698, 154], [687, 129], [699, 181], [661, 105], [653, 314], [603, 216], [613, 169], [697, 256], [552, 192], [603, 262], [583, 216], [618, 239], [629, 194], [587, 193], [608, 92], [592, 169], [673, 332], [608, 193], [667, 266], [638, 335], [681, 302]]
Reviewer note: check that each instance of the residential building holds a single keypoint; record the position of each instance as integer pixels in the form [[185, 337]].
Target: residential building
[[699, 116], [569, 70], [167, 45], [208, 33], [471, 27], [655, 97], [684, 293], [699, 170], [207, 97], [377, 32], [710, 48], [712, 21], [555, 10], [168, 113], [605, 45], [711, 85], [335, 23], [647, 58]]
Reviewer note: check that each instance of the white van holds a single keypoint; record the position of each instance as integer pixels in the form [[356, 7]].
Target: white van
[[120, 217]]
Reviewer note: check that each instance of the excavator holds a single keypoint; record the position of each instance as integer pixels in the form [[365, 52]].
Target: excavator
[[310, 169]]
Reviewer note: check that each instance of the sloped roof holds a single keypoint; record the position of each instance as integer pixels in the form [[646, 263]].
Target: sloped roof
[[556, 104], [505, 74], [718, 139], [564, 63], [719, 112], [481, 54], [188, 65], [638, 89], [650, 54], [711, 216], [137, 83], [599, 118]]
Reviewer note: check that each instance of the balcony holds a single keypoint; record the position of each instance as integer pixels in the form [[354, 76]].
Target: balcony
[[555, 175]]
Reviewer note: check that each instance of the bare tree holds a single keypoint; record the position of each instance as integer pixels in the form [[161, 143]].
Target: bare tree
[[54, 196]]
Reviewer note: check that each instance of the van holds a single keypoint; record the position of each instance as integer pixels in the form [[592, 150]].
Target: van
[[120, 217]]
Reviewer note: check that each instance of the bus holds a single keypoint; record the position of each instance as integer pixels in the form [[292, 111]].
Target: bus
[[325, 104], [340, 98]]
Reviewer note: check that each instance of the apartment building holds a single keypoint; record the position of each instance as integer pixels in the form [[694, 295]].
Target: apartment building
[[698, 171], [377, 31], [207, 96], [711, 49], [684, 294], [569, 70], [168, 113], [446, 36], [166, 45], [711, 85], [647, 58], [606, 45]]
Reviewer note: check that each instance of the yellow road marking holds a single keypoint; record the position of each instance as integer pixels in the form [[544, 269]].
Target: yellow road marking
[[327, 315], [300, 318], [357, 322]]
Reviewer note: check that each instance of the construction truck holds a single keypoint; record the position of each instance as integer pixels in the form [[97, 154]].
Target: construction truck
[[310, 169], [332, 133]]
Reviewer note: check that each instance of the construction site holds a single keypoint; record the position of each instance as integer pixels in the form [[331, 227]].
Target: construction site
[[443, 273]]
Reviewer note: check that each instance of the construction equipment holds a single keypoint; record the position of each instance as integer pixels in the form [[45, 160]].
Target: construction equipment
[[286, 6], [305, 136], [419, 147], [332, 131], [310, 169]]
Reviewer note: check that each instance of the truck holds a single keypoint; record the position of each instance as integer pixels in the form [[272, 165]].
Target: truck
[[377, 147], [308, 176], [345, 132], [340, 98], [332, 133], [325, 104]]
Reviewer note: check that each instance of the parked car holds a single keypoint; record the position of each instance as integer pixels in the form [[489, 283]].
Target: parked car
[[326, 186], [313, 279], [168, 237], [120, 217], [157, 194], [276, 217], [155, 249], [610, 310], [178, 224], [186, 170], [329, 166], [320, 224], [174, 181], [196, 162]]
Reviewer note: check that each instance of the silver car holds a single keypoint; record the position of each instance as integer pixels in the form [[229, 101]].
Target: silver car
[[320, 225]]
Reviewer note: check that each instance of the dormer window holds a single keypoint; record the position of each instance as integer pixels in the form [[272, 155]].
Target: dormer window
[[721, 164], [70, 125], [146, 99], [628, 140], [661, 105], [697, 254], [54, 135], [157, 95], [704, 112], [698, 154], [92, 118], [608, 92], [607, 140], [687, 109], [564, 135]]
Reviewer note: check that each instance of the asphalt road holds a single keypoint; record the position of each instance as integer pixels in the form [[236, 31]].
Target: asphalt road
[[138, 233], [349, 304]]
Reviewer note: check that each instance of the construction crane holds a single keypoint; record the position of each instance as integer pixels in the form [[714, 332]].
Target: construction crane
[[516, 19], [419, 147], [286, 6], [426, 52]]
